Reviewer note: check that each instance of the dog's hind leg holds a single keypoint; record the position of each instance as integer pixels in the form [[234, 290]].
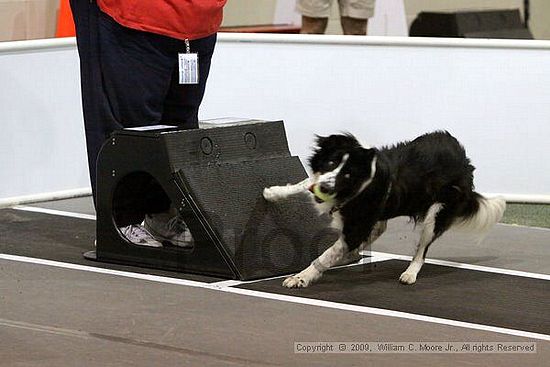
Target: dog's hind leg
[[276, 193], [427, 237]]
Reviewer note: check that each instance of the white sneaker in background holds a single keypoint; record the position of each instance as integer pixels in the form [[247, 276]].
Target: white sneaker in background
[[166, 227], [138, 235]]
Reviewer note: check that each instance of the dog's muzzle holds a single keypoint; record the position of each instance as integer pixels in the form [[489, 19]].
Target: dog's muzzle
[[324, 189], [317, 200]]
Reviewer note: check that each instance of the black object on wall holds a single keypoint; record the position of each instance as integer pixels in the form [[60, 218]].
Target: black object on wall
[[506, 24], [214, 177]]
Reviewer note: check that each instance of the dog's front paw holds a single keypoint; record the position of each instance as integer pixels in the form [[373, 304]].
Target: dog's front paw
[[302, 279], [295, 281], [274, 193], [408, 278]]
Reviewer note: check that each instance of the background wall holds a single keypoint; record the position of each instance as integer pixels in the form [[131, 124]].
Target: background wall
[[250, 12], [27, 19], [540, 18], [415, 6], [32, 19]]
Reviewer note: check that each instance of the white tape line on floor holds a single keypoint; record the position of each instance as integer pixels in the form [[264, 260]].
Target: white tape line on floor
[[279, 297]]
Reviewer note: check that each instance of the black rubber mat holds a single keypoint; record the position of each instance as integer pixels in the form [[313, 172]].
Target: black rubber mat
[[64, 239], [451, 293]]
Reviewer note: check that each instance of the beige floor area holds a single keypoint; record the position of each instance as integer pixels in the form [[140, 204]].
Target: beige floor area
[[54, 316]]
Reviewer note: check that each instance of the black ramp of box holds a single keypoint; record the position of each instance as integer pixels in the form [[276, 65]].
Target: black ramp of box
[[262, 238], [214, 177]]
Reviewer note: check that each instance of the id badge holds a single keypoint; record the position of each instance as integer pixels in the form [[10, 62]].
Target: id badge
[[188, 68]]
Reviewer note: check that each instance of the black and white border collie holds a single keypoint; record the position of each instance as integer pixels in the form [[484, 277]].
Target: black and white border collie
[[428, 179]]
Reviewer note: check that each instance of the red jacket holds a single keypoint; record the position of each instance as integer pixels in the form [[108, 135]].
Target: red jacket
[[182, 19]]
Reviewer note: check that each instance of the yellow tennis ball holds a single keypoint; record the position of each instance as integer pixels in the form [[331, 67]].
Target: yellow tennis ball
[[321, 195]]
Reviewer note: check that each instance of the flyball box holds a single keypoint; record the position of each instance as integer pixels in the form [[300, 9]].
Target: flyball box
[[214, 177]]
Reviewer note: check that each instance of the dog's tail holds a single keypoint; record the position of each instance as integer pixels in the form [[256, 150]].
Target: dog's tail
[[482, 214]]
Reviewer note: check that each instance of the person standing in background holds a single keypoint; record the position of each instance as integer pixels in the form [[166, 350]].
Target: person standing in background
[[130, 55], [354, 15]]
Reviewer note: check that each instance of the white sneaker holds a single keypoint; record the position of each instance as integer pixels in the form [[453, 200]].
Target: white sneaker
[[138, 235], [169, 228]]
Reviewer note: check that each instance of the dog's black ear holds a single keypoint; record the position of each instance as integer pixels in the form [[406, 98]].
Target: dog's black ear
[[320, 140], [337, 141], [351, 140]]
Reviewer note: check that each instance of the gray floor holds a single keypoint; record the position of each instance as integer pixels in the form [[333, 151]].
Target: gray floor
[[50, 316], [83, 205], [506, 246]]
